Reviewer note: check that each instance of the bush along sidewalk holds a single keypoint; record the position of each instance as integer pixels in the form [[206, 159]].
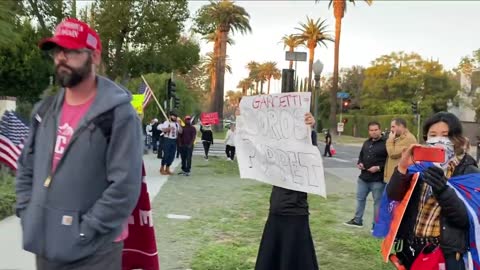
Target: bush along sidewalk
[[7, 193], [228, 215]]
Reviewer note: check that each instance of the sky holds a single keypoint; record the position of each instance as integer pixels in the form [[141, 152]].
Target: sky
[[443, 30]]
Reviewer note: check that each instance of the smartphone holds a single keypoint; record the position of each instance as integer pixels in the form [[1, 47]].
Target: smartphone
[[432, 154]]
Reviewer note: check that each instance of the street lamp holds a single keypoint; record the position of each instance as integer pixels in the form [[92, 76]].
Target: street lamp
[[317, 70]]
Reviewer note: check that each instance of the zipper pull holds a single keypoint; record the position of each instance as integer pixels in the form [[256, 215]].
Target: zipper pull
[[47, 181]]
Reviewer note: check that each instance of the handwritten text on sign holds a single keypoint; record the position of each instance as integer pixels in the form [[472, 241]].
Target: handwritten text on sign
[[274, 144], [209, 118]]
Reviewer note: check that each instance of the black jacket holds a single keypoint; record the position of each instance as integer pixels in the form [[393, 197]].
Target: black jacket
[[373, 153], [155, 131], [453, 215], [207, 135]]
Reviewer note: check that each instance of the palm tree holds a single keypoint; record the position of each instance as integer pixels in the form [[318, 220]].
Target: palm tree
[[311, 34], [227, 17], [269, 71], [290, 41], [339, 9], [255, 74], [213, 37], [245, 84], [208, 64]]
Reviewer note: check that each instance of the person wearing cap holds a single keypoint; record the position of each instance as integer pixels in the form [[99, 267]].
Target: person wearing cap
[[75, 185], [171, 128], [186, 143]]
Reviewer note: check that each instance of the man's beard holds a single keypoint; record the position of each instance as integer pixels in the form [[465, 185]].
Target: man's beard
[[75, 76]]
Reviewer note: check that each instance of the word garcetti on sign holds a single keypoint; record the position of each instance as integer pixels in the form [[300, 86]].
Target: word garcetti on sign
[[279, 101]]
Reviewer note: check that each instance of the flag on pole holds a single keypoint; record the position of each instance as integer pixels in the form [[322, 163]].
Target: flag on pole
[[12, 133], [147, 93]]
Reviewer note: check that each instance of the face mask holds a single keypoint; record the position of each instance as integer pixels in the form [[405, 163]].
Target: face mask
[[447, 145]]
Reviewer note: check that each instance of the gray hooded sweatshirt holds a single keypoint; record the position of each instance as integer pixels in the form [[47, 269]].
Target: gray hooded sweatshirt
[[95, 186]]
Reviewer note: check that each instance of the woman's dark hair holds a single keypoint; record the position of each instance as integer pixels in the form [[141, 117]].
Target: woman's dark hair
[[455, 130]]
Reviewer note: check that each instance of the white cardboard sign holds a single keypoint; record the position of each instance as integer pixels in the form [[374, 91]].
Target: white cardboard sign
[[274, 145]]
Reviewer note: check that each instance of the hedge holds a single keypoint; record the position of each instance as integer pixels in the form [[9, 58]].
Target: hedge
[[357, 124], [7, 193]]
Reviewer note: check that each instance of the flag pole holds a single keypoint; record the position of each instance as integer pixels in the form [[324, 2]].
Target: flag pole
[[154, 97]]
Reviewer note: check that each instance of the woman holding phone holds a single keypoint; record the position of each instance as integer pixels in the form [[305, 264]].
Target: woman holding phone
[[435, 215]]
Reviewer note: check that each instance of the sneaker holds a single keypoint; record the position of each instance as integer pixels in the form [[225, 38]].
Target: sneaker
[[353, 223], [182, 173], [187, 174]]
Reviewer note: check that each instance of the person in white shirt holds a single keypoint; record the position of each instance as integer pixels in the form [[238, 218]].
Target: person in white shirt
[[230, 143], [170, 128], [148, 132]]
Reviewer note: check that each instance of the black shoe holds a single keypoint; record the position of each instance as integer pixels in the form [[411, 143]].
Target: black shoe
[[353, 223]]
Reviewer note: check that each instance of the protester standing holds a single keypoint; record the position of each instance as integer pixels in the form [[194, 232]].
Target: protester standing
[[186, 142], [371, 163], [79, 173], [328, 143], [171, 128], [230, 142], [155, 135], [207, 138], [398, 140], [287, 241]]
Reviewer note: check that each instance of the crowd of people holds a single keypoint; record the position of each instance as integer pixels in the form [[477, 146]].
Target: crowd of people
[[77, 217]]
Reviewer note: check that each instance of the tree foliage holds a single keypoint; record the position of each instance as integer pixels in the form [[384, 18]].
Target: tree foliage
[[395, 80]]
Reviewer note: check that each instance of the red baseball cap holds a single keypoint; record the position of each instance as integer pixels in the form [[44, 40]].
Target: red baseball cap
[[72, 34]]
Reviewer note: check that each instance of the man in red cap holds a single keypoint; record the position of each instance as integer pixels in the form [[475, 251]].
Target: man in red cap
[[79, 174], [186, 142]]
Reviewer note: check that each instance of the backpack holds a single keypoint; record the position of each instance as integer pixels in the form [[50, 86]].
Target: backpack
[[103, 121]]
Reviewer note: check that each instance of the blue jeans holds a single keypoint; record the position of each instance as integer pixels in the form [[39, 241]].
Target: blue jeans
[[169, 149], [363, 189]]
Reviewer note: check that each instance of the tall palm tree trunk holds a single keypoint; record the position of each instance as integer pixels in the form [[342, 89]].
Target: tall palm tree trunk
[[338, 9], [310, 67], [220, 72], [268, 86]]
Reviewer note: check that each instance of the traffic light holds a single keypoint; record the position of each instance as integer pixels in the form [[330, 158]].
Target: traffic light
[[171, 89], [176, 102], [415, 107]]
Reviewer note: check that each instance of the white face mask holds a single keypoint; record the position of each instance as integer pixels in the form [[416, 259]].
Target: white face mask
[[446, 144]]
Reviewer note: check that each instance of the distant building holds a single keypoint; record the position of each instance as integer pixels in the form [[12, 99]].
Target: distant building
[[470, 86]]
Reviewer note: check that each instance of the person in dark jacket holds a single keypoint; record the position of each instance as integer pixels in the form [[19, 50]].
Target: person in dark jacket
[[155, 135], [371, 163], [287, 242], [435, 214], [328, 143], [207, 138], [186, 143]]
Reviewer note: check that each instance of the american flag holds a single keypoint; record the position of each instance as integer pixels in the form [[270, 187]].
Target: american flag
[[147, 93], [12, 133]]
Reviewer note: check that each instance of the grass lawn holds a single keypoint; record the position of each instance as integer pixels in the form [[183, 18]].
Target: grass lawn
[[228, 216]]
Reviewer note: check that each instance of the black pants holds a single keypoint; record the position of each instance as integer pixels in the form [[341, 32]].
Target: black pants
[[230, 151], [160, 153], [186, 154], [327, 150], [286, 244], [206, 147], [155, 143], [108, 259]]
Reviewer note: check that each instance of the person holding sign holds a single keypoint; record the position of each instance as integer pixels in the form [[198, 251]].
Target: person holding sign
[[207, 138], [435, 215], [287, 241]]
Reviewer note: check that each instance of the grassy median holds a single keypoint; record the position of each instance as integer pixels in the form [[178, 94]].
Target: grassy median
[[228, 216]]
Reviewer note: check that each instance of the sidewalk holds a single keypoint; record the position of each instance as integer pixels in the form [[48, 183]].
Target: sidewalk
[[13, 257]]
